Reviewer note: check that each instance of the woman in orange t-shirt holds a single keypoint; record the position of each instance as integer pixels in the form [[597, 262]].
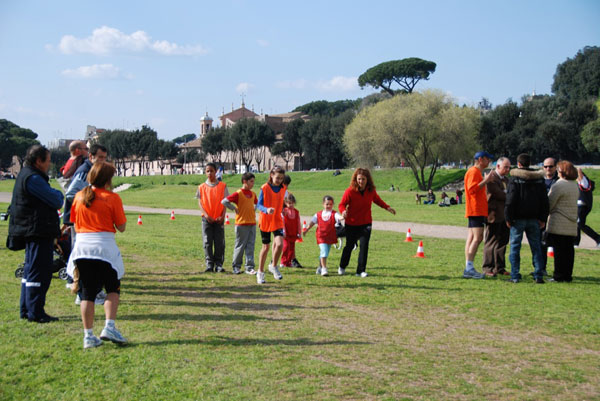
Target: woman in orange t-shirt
[[97, 213]]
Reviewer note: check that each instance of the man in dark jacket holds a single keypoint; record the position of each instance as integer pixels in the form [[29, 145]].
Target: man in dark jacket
[[526, 210], [496, 231], [34, 220]]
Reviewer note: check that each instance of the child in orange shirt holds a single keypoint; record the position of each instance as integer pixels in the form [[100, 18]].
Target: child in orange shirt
[[210, 194], [244, 201], [270, 204]]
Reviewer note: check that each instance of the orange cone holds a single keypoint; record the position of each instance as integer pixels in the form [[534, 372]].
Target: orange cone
[[227, 219], [172, 214], [420, 252], [140, 220], [550, 252], [304, 226], [408, 236]]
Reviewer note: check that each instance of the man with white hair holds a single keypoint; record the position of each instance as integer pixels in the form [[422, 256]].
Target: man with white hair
[[496, 231]]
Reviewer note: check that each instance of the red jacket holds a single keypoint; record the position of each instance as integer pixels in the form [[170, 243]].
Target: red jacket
[[291, 222], [326, 229], [358, 205]]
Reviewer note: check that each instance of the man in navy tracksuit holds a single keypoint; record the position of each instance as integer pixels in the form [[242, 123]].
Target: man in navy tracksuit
[[34, 219]]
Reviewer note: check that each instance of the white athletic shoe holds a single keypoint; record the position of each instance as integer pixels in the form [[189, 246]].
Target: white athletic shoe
[[318, 272], [112, 334], [275, 271], [91, 342], [363, 274], [100, 298], [250, 271], [324, 271], [260, 277], [341, 271], [77, 300]]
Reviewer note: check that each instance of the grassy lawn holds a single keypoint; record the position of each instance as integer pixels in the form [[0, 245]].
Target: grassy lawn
[[412, 330]]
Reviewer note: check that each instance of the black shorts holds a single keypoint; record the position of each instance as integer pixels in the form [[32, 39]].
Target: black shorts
[[477, 221], [95, 274], [266, 235]]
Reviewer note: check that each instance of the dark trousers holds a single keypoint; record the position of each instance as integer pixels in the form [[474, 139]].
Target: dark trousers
[[36, 277], [214, 243], [582, 212], [564, 256], [494, 249], [354, 234]]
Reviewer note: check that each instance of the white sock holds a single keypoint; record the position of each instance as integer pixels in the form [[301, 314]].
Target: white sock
[[469, 265], [110, 323], [88, 333]]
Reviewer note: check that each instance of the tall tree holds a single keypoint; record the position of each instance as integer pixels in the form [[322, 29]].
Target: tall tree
[[184, 139], [325, 108], [406, 73], [212, 144], [579, 78], [14, 141], [423, 129]]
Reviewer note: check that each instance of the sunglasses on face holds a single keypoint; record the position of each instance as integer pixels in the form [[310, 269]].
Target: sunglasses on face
[[548, 166]]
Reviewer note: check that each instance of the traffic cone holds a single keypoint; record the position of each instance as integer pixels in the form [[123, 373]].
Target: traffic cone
[[408, 236], [172, 214], [550, 252], [227, 220], [420, 252], [140, 220], [304, 226]]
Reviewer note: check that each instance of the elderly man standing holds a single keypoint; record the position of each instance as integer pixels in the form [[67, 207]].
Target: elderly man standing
[[496, 231], [526, 210], [34, 223], [476, 209], [550, 177]]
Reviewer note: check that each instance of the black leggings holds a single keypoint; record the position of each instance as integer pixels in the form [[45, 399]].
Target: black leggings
[[354, 234], [95, 274]]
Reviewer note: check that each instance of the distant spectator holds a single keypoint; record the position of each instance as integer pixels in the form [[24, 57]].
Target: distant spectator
[[459, 195], [430, 198]]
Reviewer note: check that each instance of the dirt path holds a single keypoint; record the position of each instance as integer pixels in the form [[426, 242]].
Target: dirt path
[[417, 229]]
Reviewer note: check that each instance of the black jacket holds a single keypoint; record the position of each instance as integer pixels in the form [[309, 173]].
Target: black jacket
[[526, 196], [29, 216]]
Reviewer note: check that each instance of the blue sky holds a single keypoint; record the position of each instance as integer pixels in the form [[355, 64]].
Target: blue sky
[[121, 64]]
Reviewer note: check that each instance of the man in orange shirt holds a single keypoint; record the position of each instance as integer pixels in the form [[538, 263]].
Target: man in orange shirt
[[476, 209]]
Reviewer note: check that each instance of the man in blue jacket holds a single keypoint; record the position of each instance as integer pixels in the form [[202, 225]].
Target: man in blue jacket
[[34, 220]]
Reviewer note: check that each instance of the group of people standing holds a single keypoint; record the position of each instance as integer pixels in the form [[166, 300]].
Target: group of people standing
[[279, 222], [548, 206]]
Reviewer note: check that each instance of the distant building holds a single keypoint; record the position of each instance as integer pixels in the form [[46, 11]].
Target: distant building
[[92, 132], [58, 143]]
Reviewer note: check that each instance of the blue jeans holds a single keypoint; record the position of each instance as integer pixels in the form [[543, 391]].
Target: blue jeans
[[532, 229]]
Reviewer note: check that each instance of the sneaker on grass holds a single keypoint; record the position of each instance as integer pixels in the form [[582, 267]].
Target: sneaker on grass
[[472, 273], [341, 271], [236, 270], [100, 298], [91, 342], [260, 277], [275, 271], [324, 271], [112, 334], [250, 271]]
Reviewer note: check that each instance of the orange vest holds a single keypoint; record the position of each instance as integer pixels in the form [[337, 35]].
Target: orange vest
[[211, 198], [246, 215], [272, 222]]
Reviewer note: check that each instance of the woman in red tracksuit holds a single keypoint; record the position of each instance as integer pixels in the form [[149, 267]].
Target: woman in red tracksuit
[[355, 208]]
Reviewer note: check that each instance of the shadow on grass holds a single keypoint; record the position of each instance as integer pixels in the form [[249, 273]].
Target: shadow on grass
[[191, 317], [379, 286], [236, 342], [586, 280], [232, 306], [199, 293]]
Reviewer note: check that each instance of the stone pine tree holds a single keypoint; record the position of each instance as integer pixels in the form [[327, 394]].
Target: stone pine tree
[[406, 73]]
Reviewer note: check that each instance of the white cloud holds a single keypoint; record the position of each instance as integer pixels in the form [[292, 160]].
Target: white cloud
[[295, 84], [338, 83], [106, 40], [97, 71], [262, 43], [243, 87]]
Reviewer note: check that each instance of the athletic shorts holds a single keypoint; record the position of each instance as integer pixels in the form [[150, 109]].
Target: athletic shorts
[[324, 250], [266, 235], [95, 274], [477, 221]]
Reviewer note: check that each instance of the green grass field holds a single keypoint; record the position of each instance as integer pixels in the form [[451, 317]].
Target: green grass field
[[413, 330]]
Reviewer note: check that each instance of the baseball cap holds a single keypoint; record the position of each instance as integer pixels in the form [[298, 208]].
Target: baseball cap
[[483, 153]]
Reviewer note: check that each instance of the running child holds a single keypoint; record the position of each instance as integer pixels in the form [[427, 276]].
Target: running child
[[326, 221], [270, 205], [210, 194], [244, 201], [292, 231]]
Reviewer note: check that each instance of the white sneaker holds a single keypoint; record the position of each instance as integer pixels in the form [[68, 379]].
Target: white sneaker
[[100, 298], [260, 277], [69, 286], [250, 271], [112, 334], [77, 300], [91, 342], [341, 271], [363, 274], [275, 271], [318, 272], [324, 271]]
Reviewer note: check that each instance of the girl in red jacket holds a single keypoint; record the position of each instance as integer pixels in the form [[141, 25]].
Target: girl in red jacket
[[292, 231], [355, 207], [325, 221]]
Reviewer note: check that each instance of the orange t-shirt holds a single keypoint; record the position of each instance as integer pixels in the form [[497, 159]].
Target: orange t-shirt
[[475, 196], [105, 212]]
